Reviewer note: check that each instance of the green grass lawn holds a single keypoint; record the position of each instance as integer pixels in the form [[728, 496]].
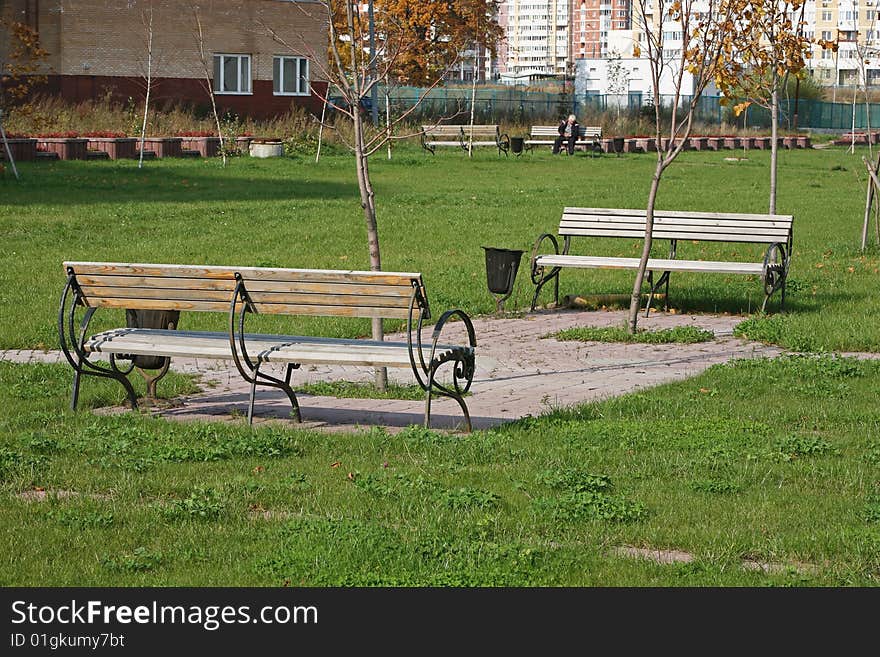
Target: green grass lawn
[[771, 461], [755, 461], [434, 214]]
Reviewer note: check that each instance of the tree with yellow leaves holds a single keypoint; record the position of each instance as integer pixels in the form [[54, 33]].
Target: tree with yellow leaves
[[769, 46], [21, 62]]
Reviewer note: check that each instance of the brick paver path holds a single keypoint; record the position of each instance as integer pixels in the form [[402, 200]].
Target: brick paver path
[[520, 372]]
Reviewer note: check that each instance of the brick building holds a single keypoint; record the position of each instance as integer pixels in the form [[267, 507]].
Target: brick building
[[100, 46]]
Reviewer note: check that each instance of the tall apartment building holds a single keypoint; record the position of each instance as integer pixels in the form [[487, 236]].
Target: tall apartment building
[[593, 22], [855, 27], [537, 38]]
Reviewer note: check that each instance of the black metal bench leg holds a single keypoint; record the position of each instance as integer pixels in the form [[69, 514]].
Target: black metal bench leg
[[446, 393], [253, 394], [555, 278], [294, 402], [74, 397]]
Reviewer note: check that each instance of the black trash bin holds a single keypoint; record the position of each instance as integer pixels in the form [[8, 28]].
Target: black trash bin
[[501, 268], [516, 145], [153, 319]]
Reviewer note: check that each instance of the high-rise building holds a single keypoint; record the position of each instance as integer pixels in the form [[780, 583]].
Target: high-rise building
[[537, 37]]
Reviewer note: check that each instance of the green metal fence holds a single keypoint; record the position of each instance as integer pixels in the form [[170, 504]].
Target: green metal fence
[[515, 104]]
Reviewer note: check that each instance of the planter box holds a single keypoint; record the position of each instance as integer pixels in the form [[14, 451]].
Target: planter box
[[731, 142], [747, 142], [761, 143], [206, 146], [715, 143], [699, 143], [117, 148], [666, 141], [67, 148], [803, 141], [23, 150], [631, 146], [266, 149], [163, 146], [243, 144], [646, 144]]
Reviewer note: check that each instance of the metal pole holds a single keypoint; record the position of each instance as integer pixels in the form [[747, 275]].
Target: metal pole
[[374, 92], [9, 157]]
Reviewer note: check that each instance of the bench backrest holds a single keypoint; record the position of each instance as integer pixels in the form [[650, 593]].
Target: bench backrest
[[584, 132], [704, 226], [480, 130], [270, 290], [442, 130]]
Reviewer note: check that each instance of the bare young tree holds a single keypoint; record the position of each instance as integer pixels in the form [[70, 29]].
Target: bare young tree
[[353, 69], [208, 77], [147, 20], [706, 28]]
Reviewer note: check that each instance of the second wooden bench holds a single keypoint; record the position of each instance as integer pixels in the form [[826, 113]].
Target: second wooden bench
[[775, 231]]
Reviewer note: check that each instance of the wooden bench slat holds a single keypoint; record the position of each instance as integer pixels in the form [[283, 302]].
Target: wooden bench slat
[[280, 348], [136, 336], [93, 293], [134, 303], [584, 220], [105, 286], [132, 336], [676, 235], [677, 213], [252, 273], [654, 264], [711, 233]]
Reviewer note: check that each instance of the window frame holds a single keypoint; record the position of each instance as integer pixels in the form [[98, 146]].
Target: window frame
[[300, 61], [218, 84]]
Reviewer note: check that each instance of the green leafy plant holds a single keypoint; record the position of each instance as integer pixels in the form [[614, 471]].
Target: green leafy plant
[[678, 334]]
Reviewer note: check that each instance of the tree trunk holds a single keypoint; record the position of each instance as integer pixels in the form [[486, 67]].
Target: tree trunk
[[774, 144], [635, 301], [368, 203], [149, 87], [473, 105]]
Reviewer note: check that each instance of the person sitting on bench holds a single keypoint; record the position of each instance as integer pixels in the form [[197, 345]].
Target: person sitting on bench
[[568, 132]]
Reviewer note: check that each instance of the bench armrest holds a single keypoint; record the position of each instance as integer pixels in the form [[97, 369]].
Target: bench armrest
[[537, 271], [775, 267]]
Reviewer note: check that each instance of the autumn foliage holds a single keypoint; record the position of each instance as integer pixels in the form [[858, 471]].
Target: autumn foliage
[[20, 71], [423, 37]]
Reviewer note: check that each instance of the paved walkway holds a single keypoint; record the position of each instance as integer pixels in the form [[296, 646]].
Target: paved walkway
[[520, 372]]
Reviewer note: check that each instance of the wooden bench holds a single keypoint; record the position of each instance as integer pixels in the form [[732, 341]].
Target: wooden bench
[[773, 230], [239, 292], [463, 135], [589, 137]]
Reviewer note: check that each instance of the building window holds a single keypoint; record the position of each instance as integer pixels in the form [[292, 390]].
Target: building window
[[232, 74], [290, 76]]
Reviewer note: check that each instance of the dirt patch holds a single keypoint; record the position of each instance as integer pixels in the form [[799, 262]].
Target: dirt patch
[[41, 495], [679, 556]]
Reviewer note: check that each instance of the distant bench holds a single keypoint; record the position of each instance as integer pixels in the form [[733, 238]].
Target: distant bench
[[433, 136], [154, 295], [773, 230], [589, 137]]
